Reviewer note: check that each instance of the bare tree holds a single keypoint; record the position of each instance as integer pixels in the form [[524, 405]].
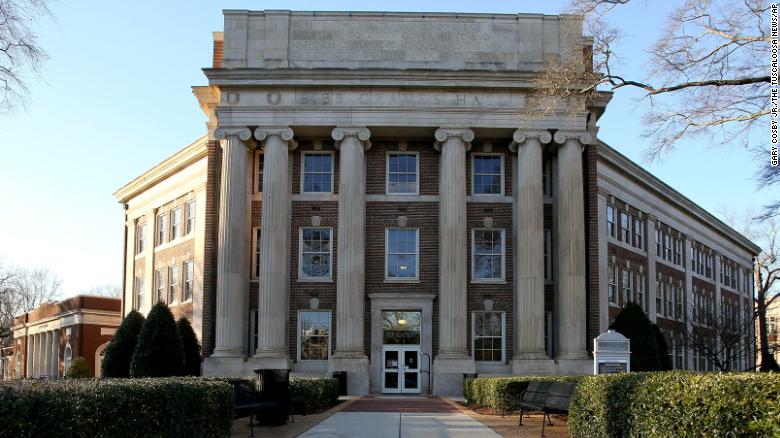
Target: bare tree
[[20, 51], [35, 286], [104, 290], [7, 304], [720, 338]]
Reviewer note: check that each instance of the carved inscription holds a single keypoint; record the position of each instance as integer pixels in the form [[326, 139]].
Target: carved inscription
[[389, 98], [483, 43]]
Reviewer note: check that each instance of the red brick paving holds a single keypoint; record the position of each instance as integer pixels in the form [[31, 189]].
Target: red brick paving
[[430, 405]]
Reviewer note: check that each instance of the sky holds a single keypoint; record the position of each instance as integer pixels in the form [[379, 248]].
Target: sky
[[114, 99]]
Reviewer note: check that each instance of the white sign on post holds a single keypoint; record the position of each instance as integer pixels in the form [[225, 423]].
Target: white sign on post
[[611, 353]]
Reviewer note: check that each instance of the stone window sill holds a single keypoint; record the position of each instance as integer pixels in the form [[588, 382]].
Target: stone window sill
[[399, 280], [315, 280]]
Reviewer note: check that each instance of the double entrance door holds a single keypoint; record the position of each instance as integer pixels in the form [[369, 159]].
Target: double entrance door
[[401, 369]]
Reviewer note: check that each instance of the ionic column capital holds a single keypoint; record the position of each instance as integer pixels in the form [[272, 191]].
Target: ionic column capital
[[520, 136], [584, 137], [442, 134], [361, 132], [283, 132], [243, 133]]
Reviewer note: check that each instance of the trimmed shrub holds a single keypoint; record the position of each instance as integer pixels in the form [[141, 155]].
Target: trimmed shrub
[[119, 352], [503, 393], [172, 407], [633, 323], [318, 393], [78, 369], [159, 351], [663, 348], [190, 346], [679, 404]]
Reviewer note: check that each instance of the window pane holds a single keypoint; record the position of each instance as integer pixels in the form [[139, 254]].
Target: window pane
[[317, 173], [487, 174]]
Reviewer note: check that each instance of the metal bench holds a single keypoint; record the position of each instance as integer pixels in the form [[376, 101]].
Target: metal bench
[[246, 401], [533, 397], [547, 397]]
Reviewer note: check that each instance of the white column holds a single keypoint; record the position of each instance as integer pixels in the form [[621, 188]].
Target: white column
[[37, 356], [274, 296], [650, 223], [149, 262], [453, 359], [352, 143], [529, 248], [604, 267], [28, 355], [129, 292], [55, 344], [572, 303], [232, 254], [46, 359]]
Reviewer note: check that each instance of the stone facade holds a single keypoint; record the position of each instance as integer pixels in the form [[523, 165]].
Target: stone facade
[[500, 220]]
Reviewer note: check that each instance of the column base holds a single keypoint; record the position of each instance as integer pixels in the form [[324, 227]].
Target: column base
[[448, 374], [529, 366], [356, 367], [224, 366], [268, 362], [575, 367]]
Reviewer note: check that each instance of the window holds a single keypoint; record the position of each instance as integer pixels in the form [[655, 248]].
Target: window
[[487, 174], [708, 266], [488, 336], [162, 228], [316, 250], [670, 301], [159, 285], [140, 238], [256, 264], [175, 223], [139, 292], [678, 302], [611, 220], [658, 241], [487, 260], [313, 334], [693, 258], [678, 252], [401, 327], [190, 213], [402, 171], [317, 172], [625, 227], [659, 299], [626, 283], [640, 290], [639, 236], [173, 283], [259, 160], [668, 247], [547, 255], [401, 259], [189, 279], [547, 179], [613, 274]]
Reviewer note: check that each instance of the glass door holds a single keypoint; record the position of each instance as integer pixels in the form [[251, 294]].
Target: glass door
[[411, 371], [391, 368], [401, 370]]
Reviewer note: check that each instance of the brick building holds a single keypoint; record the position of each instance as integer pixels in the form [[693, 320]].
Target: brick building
[[48, 338], [371, 197]]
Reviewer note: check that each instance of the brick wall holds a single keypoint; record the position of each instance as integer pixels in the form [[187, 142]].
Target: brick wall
[[210, 251], [217, 54]]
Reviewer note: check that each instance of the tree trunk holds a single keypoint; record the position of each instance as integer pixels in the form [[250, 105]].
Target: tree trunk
[[768, 362]]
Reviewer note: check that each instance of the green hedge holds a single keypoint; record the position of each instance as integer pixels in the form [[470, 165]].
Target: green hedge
[[502, 393], [318, 393], [677, 404], [169, 407]]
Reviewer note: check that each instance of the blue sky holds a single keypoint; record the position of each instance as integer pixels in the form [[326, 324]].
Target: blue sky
[[115, 99]]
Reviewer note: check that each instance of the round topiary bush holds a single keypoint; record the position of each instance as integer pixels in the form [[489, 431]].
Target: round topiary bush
[[191, 347], [633, 323], [159, 350], [119, 352], [79, 369]]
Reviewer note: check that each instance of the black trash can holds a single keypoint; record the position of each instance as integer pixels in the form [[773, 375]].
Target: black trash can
[[341, 376]]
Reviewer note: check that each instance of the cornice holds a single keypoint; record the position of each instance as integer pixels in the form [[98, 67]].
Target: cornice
[[179, 160], [644, 178]]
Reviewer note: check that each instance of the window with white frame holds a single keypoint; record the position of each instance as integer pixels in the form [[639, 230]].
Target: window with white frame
[[659, 298], [625, 227], [189, 280], [487, 174], [547, 178], [487, 254], [548, 255], [402, 173], [256, 255], [678, 251], [639, 235], [611, 220], [162, 228], [668, 247], [189, 225], [173, 283], [488, 336], [315, 254], [139, 292], [259, 161], [670, 301], [659, 244], [640, 290], [140, 238], [613, 274], [401, 246], [159, 285], [313, 334], [317, 172], [678, 304], [626, 283], [175, 223]]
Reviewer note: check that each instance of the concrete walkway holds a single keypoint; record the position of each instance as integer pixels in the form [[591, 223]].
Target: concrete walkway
[[393, 417]]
